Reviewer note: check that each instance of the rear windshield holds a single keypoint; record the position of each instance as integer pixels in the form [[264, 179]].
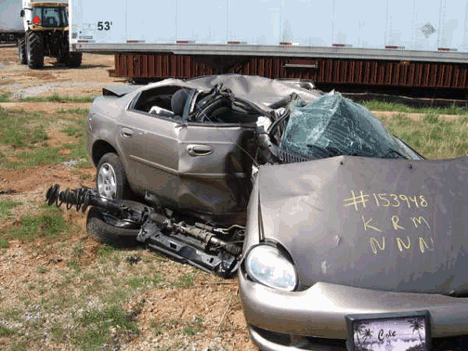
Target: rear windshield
[[50, 16]]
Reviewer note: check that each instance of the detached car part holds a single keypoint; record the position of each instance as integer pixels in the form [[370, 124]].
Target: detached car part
[[124, 222]]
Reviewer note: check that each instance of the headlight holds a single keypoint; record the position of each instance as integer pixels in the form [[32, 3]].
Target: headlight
[[267, 265]]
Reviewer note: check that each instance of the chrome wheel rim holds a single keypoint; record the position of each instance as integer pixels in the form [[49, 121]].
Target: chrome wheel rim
[[107, 181]]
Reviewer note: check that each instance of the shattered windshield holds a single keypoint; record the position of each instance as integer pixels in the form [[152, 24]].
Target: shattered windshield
[[332, 126]]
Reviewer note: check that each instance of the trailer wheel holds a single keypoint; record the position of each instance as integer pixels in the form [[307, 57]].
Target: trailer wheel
[[109, 230], [35, 50], [74, 60], [23, 59], [111, 180]]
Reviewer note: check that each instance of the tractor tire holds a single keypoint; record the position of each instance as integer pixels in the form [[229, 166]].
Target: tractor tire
[[62, 59], [23, 59], [74, 60], [108, 230], [35, 50]]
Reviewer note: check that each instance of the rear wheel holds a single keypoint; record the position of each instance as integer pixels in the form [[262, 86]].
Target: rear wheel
[[110, 230], [74, 59], [111, 180], [23, 59], [35, 50]]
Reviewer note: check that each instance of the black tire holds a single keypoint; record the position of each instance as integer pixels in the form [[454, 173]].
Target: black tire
[[107, 230], [74, 60], [23, 59], [112, 186], [35, 50], [62, 59]]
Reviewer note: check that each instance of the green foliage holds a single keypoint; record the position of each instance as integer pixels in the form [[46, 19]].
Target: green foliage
[[18, 130], [138, 282], [434, 137], [49, 224], [97, 323], [4, 96], [391, 106], [26, 140], [6, 206], [185, 281], [58, 98], [195, 327], [105, 251], [74, 111], [6, 331]]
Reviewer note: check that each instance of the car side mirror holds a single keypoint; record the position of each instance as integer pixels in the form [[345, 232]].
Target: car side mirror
[[22, 13]]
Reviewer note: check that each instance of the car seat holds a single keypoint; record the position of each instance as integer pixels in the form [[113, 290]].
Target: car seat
[[178, 101]]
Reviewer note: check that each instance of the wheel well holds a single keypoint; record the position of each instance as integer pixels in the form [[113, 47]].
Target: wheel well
[[100, 148]]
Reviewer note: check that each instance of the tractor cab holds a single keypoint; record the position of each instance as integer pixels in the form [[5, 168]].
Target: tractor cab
[[49, 14]]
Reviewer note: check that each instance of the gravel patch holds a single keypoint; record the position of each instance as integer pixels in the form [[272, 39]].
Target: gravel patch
[[50, 88]]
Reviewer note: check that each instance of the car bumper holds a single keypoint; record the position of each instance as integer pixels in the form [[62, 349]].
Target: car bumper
[[314, 319]]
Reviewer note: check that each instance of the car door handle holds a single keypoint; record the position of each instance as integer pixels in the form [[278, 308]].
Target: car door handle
[[199, 150], [126, 132]]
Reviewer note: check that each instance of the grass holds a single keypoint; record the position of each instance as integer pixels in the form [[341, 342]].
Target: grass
[[185, 281], [20, 130], [194, 327], [434, 137], [48, 224], [26, 142], [395, 107], [74, 111], [4, 97], [58, 98], [6, 206], [96, 323]]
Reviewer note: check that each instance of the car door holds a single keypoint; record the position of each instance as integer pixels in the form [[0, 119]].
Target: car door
[[215, 168], [149, 142]]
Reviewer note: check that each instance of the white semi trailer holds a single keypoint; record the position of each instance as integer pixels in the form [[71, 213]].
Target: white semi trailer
[[221, 35], [11, 26]]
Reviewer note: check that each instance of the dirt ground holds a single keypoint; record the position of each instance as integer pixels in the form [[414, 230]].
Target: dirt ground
[[217, 302]]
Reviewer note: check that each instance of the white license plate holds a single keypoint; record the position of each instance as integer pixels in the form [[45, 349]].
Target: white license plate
[[389, 332]]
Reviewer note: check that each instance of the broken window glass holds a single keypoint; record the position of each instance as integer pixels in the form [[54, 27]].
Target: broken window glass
[[332, 125]]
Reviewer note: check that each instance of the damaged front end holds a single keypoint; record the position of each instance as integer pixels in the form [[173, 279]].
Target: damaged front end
[[195, 206]]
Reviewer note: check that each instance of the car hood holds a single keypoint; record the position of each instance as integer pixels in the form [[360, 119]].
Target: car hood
[[393, 225]]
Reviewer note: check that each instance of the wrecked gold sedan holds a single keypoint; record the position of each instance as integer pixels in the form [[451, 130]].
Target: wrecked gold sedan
[[343, 237]]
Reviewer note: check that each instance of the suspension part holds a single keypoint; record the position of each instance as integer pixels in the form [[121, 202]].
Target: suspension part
[[81, 198]]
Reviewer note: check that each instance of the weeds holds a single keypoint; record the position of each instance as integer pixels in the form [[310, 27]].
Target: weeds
[[185, 281], [6, 206], [19, 131], [58, 98], [26, 140], [48, 224], [194, 327], [433, 137], [6, 331], [391, 106], [96, 326], [4, 97], [74, 111]]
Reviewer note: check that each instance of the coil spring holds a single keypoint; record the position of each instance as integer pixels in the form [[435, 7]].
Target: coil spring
[[79, 198]]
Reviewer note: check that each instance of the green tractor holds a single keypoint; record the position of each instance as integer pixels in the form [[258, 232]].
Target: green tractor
[[46, 34]]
